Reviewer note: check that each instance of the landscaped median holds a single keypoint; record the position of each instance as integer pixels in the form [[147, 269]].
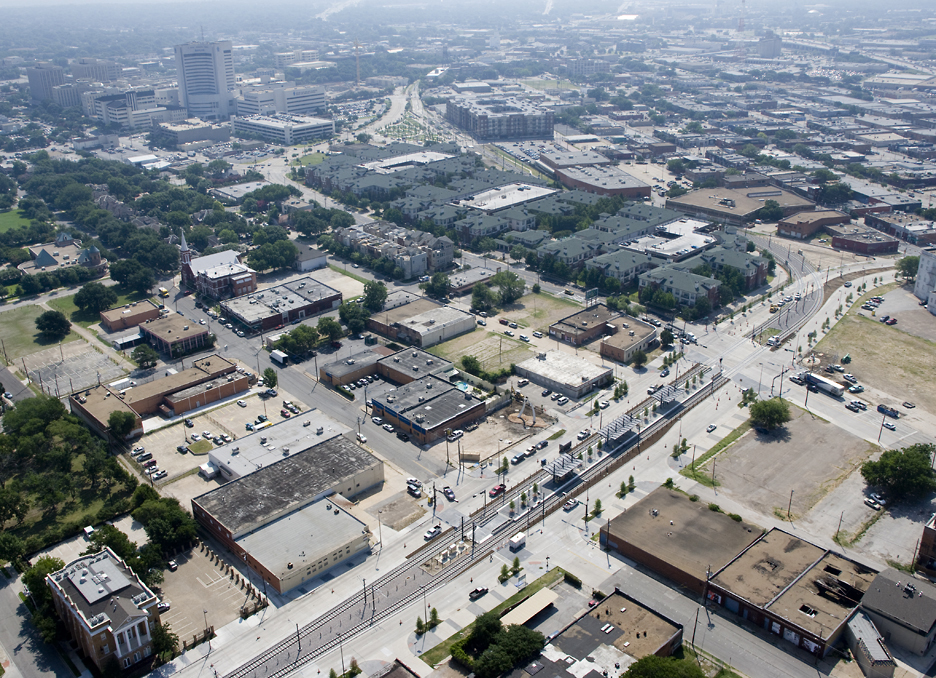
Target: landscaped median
[[692, 471], [435, 655]]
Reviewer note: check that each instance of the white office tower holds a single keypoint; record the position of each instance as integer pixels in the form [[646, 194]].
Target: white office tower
[[206, 79]]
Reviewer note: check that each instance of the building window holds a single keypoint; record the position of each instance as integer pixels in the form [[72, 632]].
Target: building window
[[147, 651], [105, 649], [126, 662], [136, 657], [120, 640]]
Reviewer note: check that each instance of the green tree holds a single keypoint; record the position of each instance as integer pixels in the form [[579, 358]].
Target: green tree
[[94, 298], [639, 359], [471, 365], [34, 578], [11, 547], [375, 294], [770, 413], [420, 626], [121, 423], [145, 356], [653, 666], [510, 286], [771, 211], [270, 378], [165, 642], [483, 298], [329, 327], [438, 286], [903, 474], [354, 316], [907, 267], [666, 338], [433, 618], [53, 325]]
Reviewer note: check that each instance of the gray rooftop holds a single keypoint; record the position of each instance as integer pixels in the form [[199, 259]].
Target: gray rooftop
[[310, 472], [416, 362], [356, 362], [906, 600], [427, 402], [443, 316], [254, 307], [564, 368], [607, 177]]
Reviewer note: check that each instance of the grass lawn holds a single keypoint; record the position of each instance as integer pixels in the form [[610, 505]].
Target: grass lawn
[[340, 269], [11, 219], [67, 305], [443, 649], [311, 159], [200, 447], [19, 334]]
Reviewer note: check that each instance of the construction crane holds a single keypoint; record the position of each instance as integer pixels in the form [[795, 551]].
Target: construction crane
[[741, 51]]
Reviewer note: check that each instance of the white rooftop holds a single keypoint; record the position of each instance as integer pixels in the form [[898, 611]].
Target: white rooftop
[[495, 199]]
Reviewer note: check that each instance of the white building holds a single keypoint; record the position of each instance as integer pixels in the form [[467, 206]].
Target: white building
[[206, 78], [280, 98], [925, 287], [284, 129]]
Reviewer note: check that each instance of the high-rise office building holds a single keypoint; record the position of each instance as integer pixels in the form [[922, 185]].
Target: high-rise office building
[[99, 70], [206, 78], [42, 78]]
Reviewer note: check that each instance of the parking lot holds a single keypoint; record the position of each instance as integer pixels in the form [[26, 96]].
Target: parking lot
[[199, 591], [229, 419], [70, 549]]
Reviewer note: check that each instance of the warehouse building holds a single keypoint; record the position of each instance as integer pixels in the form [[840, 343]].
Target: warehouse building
[[862, 240], [398, 308], [804, 225], [564, 373], [354, 367], [426, 408], [278, 513], [435, 326], [677, 538], [129, 315], [206, 381], [281, 305], [411, 364], [604, 180], [726, 206]]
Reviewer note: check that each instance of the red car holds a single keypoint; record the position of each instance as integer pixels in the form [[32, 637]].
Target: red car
[[285, 414], [892, 321], [497, 490]]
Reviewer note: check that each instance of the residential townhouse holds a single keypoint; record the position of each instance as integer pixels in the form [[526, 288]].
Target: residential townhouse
[[684, 285]]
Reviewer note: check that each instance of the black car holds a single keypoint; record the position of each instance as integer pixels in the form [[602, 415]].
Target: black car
[[183, 449], [402, 436], [797, 380], [477, 593], [189, 423], [546, 392], [449, 493]]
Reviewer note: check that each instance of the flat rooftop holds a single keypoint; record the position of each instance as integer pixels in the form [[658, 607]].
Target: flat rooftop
[[358, 361], [209, 367], [658, 246], [402, 162], [238, 191], [564, 368], [100, 401], [605, 177], [586, 319], [495, 199], [428, 402], [129, 311], [301, 538], [248, 454], [415, 361], [470, 277], [562, 159], [622, 338], [313, 468], [442, 316], [697, 539], [817, 215], [746, 200], [174, 328], [254, 307], [397, 314]]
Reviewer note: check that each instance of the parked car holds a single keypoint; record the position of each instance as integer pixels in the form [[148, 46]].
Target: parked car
[[546, 392], [497, 490], [517, 458], [873, 504], [173, 566], [183, 449], [286, 414], [377, 420], [509, 333], [388, 428], [562, 401], [242, 403], [189, 423], [892, 321], [415, 491], [711, 427], [603, 404], [403, 435], [163, 607], [853, 407], [571, 504], [797, 380], [361, 438], [857, 388], [414, 481], [890, 426], [851, 378], [160, 474], [149, 463]]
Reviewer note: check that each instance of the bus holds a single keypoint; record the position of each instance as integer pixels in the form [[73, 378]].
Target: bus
[[163, 292], [263, 425]]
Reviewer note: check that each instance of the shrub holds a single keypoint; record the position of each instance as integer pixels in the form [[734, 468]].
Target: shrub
[[571, 579], [714, 507], [735, 517]]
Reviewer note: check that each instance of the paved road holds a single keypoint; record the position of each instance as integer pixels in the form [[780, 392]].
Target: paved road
[[31, 657]]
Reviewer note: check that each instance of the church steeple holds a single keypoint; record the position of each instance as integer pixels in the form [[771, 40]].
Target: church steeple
[[185, 254]]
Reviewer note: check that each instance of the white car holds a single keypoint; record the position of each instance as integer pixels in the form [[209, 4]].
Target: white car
[[242, 403], [361, 438], [889, 426], [603, 404], [377, 420], [195, 437]]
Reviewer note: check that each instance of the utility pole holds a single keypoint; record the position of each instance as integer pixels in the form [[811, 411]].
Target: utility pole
[[789, 507]]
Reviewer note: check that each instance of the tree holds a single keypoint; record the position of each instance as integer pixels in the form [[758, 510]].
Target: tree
[[375, 294], [53, 325], [471, 365], [653, 666], [771, 211], [510, 285], [770, 413], [666, 338], [34, 578], [639, 359], [905, 473], [94, 298], [270, 378], [145, 356], [329, 327], [438, 286], [121, 423], [142, 280], [483, 298], [834, 194], [165, 642], [11, 547], [908, 267]]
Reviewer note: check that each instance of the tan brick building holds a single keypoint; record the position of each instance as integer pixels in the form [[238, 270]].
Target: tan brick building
[[107, 609], [130, 315]]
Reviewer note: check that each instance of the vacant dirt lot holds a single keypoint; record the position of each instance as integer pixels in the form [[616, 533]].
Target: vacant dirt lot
[[810, 456], [885, 358], [494, 350]]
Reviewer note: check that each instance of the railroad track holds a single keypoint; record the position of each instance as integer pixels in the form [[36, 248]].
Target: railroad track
[[296, 650]]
